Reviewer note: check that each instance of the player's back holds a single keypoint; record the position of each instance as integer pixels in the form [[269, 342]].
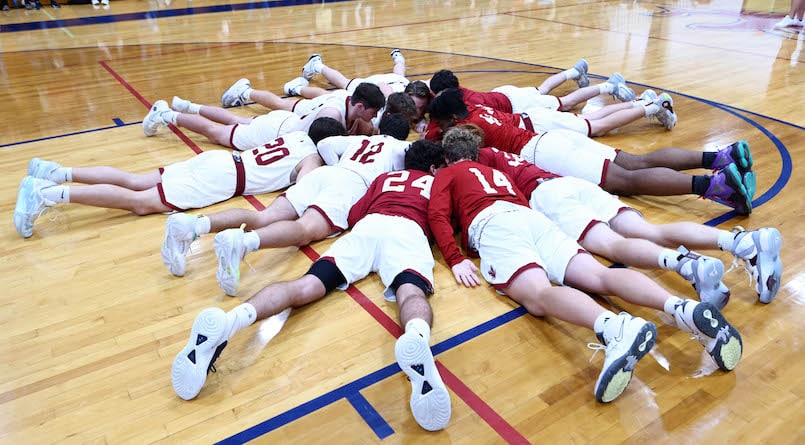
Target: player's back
[[368, 156]]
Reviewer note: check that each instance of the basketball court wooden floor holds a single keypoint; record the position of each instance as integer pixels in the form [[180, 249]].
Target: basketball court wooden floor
[[92, 319]]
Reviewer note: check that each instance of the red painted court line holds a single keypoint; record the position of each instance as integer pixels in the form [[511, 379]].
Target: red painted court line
[[493, 419]]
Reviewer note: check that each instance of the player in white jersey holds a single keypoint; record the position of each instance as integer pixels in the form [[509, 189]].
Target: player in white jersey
[[396, 203], [314, 208], [203, 180], [223, 127]]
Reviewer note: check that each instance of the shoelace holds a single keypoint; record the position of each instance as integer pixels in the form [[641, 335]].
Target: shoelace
[[596, 347]]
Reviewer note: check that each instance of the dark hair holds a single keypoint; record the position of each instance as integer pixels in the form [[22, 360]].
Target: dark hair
[[325, 127], [419, 89], [442, 80], [446, 104], [395, 125], [422, 154], [403, 104], [369, 95], [461, 143]]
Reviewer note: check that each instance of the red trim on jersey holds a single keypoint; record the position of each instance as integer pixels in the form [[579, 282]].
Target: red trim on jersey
[[516, 274], [232, 136], [587, 229], [348, 84], [335, 228], [558, 99], [240, 174], [164, 200], [604, 173], [527, 122], [346, 110], [293, 107], [589, 127], [413, 272]]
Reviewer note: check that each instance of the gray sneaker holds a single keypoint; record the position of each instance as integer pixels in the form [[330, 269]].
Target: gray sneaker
[[705, 274], [719, 338], [666, 114], [760, 252], [233, 96], [620, 91], [581, 66]]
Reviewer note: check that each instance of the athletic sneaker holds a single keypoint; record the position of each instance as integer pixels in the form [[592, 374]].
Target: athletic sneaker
[[43, 169], [728, 186], [397, 57], [705, 274], [153, 120], [430, 401], [192, 364], [787, 21], [648, 96], [581, 66], [626, 339], [666, 114], [30, 204], [180, 105], [736, 153], [760, 252], [233, 96], [705, 322], [620, 91], [294, 87], [179, 235], [313, 66], [230, 250]]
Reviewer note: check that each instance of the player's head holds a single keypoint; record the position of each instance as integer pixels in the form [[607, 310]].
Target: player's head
[[403, 104], [325, 127], [472, 128], [422, 155], [395, 125], [442, 80], [461, 143], [420, 94], [367, 100], [448, 107]]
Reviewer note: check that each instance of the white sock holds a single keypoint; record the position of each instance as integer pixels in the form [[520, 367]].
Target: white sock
[[247, 94], [670, 305], [606, 88], [169, 117], [419, 326], [240, 317], [726, 240], [203, 225], [251, 240], [193, 108], [571, 73], [62, 174], [668, 260], [601, 321], [57, 193], [651, 109]]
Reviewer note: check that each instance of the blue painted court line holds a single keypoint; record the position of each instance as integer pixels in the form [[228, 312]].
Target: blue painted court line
[[351, 388], [370, 415], [162, 13], [118, 123]]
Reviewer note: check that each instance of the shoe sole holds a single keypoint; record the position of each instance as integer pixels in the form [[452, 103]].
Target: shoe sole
[[739, 185], [613, 380], [769, 265], [744, 160], [227, 281], [430, 401], [189, 370], [176, 267], [22, 222], [728, 346]]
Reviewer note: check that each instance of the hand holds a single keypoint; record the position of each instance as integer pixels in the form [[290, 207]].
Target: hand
[[421, 126], [466, 273], [361, 127]]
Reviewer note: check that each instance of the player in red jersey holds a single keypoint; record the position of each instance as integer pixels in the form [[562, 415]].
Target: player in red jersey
[[396, 203], [607, 227], [312, 209], [522, 252], [567, 153]]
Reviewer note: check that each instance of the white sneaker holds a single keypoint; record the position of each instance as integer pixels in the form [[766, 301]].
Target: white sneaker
[[704, 273], [153, 120], [180, 105], [30, 204], [581, 66], [179, 235], [620, 91], [233, 96], [648, 96], [197, 358], [41, 169], [105, 2], [626, 340], [230, 250], [786, 22], [430, 401], [666, 114], [313, 66], [397, 56], [719, 338], [294, 87], [760, 252]]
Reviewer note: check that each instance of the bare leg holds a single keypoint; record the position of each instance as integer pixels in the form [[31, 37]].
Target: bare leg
[[115, 176], [271, 100], [277, 297], [216, 133], [552, 82], [533, 290], [619, 118], [603, 241], [649, 181], [334, 77], [143, 202], [222, 115], [279, 210], [576, 97], [311, 226], [673, 158], [692, 235], [413, 303], [310, 92], [611, 108]]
